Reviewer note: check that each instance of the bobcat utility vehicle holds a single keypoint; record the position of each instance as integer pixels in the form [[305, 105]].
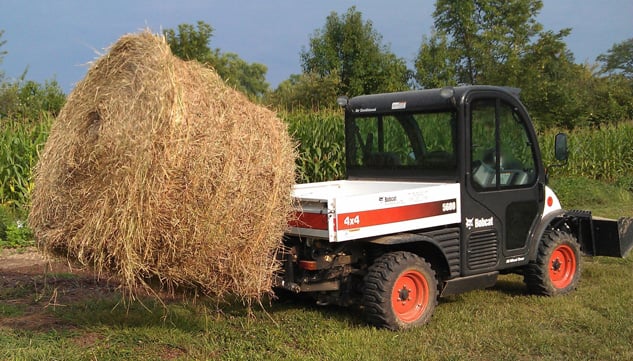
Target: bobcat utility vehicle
[[445, 190]]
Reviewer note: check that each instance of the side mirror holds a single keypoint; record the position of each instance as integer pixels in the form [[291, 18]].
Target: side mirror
[[560, 147]]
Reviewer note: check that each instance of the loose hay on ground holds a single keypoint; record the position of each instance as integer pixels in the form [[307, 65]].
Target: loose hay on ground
[[156, 169]]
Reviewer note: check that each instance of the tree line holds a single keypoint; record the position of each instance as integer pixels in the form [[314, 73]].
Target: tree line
[[472, 42]]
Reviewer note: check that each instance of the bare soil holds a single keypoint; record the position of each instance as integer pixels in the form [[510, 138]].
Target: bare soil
[[32, 284]]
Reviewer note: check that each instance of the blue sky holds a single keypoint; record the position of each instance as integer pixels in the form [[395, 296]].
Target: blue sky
[[57, 39]]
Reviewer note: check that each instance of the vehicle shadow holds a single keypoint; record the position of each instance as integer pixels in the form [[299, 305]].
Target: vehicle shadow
[[288, 302]]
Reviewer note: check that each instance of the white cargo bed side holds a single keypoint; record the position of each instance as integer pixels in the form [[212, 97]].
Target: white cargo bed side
[[347, 210]]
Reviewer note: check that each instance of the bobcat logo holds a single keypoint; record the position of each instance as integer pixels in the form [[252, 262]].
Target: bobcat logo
[[470, 223]]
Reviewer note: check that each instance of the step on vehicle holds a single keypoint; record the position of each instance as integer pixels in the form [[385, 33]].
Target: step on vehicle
[[445, 190]]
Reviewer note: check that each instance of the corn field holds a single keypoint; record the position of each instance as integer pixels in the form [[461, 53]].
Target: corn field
[[320, 143], [604, 154], [20, 143]]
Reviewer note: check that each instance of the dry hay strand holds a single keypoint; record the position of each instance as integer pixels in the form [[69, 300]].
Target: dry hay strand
[[155, 169]]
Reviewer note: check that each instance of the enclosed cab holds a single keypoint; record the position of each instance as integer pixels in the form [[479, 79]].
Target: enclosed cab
[[445, 190]]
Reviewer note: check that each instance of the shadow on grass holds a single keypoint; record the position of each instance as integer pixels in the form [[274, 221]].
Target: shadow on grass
[[350, 315], [510, 286], [67, 301], [112, 310]]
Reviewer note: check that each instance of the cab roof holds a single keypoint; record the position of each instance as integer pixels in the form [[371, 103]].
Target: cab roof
[[419, 100]]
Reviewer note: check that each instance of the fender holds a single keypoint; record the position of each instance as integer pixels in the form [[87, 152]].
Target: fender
[[537, 233], [596, 236], [441, 247]]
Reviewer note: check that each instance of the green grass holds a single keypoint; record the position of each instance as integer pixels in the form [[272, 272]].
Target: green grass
[[14, 232], [603, 199], [9, 310], [503, 323]]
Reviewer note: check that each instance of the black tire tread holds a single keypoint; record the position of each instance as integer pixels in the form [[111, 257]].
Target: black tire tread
[[536, 275], [377, 289]]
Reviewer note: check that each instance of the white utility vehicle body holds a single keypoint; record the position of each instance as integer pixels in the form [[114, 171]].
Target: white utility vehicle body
[[347, 210]]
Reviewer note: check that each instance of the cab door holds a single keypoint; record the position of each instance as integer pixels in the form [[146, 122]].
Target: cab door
[[503, 194]]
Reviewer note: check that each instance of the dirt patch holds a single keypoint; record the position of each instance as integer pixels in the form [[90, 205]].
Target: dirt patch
[[88, 339], [28, 261], [31, 285]]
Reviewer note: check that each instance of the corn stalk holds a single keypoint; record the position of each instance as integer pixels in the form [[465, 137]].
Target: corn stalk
[[20, 143]]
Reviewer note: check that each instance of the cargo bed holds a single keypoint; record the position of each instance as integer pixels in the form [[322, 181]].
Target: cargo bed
[[346, 210]]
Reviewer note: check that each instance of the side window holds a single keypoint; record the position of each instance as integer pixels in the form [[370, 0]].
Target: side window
[[501, 153], [517, 158], [483, 145]]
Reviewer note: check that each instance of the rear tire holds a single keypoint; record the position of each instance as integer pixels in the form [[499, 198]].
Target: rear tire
[[400, 291], [556, 270]]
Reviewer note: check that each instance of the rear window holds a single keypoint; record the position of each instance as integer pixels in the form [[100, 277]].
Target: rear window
[[413, 144]]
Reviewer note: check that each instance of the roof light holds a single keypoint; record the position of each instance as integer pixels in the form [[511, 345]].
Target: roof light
[[447, 92], [342, 101]]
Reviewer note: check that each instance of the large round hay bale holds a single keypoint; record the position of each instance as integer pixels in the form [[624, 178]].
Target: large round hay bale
[[155, 169]]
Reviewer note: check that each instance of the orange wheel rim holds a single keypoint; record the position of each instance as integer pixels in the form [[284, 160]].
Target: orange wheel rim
[[410, 296], [562, 266]]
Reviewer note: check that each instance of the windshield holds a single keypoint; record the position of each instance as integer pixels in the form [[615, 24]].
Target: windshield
[[402, 144]]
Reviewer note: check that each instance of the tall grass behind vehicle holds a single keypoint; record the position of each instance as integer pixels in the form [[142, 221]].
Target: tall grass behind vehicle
[[321, 145], [20, 143], [604, 154]]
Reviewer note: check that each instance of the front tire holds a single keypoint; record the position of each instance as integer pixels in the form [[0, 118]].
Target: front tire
[[556, 270], [400, 291]]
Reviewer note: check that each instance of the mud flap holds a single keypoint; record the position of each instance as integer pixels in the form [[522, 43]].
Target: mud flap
[[612, 238]]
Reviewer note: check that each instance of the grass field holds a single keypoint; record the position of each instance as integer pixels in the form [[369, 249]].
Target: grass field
[[70, 316], [63, 315], [503, 323]]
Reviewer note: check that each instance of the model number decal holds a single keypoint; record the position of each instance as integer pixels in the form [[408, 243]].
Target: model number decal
[[351, 221], [449, 207]]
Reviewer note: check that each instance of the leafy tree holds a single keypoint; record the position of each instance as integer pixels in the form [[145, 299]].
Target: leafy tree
[[619, 59], [306, 91], [349, 48], [435, 63], [610, 100], [25, 100], [550, 81], [191, 42], [613, 85], [501, 43], [2, 42], [249, 78], [481, 40]]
